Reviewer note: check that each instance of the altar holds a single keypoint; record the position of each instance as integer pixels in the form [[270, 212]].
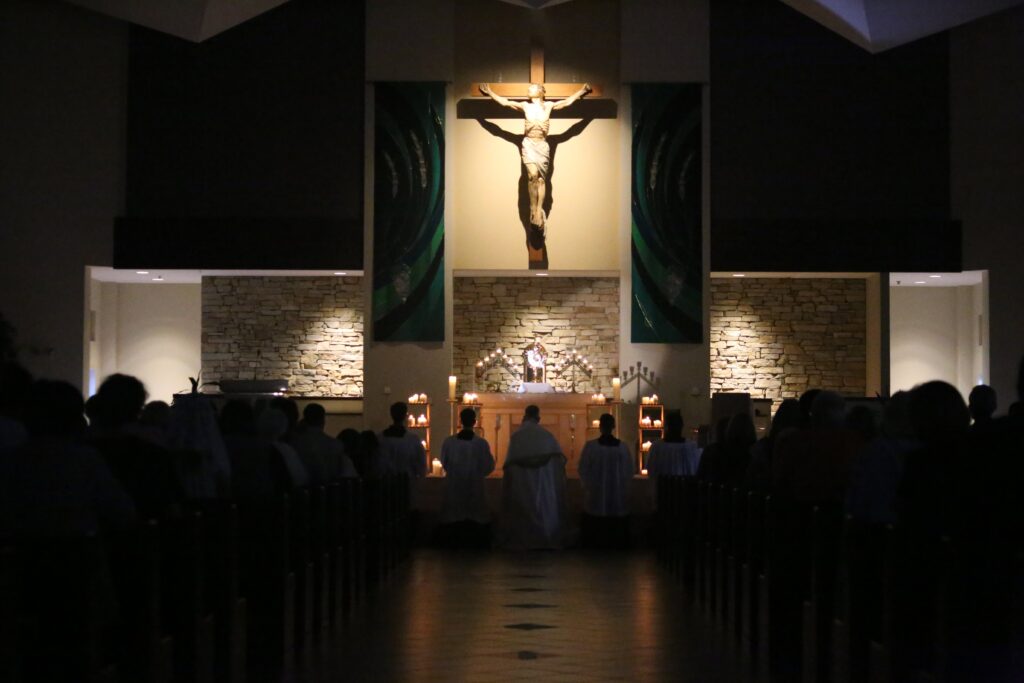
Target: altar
[[563, 414]]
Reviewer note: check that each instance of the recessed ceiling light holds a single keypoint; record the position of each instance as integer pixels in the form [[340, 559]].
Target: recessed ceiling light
[[920, 282], [142, 272], [542, 274], [739, 274], [158, 279], [934, 276], [341, 272]]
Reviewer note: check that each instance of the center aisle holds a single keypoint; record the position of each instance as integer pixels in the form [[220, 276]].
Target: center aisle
[[537, 616]]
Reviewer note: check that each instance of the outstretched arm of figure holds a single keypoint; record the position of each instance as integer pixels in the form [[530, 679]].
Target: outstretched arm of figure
[[562, 104], [485, 88]]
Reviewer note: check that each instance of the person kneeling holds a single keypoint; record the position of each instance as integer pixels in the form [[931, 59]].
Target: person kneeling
[[606, 468]]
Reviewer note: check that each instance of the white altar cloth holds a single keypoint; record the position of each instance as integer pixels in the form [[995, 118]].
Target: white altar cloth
[[536, 388]]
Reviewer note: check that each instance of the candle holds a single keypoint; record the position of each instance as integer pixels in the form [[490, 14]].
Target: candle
[[654, 399], [646, 446], [435, 467], [421, 420], [616, 388], [645, 400], [644, 471], [596, 423], [657, 424], [412, 421], [423, 398], [646, 422], [451, 387], [424, 442], [414, 398]]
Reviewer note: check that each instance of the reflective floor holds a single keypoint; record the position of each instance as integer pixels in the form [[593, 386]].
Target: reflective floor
[[537, 616]]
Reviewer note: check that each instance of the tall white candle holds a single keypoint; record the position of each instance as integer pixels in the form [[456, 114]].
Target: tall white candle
[[451, 387], [617, 388]]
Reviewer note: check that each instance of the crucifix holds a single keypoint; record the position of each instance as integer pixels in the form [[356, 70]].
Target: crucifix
[[536, 152]]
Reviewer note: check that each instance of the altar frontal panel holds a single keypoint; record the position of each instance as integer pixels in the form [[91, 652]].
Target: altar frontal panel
[[667, 268], [408, 203]]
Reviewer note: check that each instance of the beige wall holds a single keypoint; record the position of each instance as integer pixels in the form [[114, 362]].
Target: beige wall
[[149, 331], [935, 335], [493, 44]]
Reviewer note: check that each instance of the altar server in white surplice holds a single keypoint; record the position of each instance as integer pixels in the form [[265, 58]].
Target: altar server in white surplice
[[467, 461], [401, 451], [673, 455], [606, 468], [533, 496]]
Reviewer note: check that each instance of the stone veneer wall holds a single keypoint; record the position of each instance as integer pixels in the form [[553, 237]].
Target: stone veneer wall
[[308, 330], [579, 313], [776, 338]]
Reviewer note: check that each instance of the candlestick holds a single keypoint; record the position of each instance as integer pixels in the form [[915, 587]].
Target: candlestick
[[451, 387], [617, 388]]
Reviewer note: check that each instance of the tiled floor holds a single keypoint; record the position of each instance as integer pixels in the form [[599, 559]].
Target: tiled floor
[[538, 616]]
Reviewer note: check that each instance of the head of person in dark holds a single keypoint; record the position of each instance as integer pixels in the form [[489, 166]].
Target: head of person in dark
[[861, 419], [119, 401], [399, 411], [982, 403], [806, 402], [828, 410], [54, 409], [467, 418], [606, 424], [314, 415], [938, 413], [15, 382], [288, 407], [349, 438], [788, 416], [237, 418], [674, 426]]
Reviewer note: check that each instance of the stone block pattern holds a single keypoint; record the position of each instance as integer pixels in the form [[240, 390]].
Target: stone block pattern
[[579, 313], [308, 330], [776, 338]]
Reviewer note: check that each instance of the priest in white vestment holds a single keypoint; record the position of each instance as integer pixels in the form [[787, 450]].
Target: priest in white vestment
[[606, 470], [533, 496], [401, 451]]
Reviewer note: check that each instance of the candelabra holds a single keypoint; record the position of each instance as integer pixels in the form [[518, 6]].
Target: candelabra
[[498, 358], [572, 362], [641, 375]]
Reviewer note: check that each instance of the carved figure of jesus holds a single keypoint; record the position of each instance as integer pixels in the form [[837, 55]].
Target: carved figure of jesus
[[536, 153]]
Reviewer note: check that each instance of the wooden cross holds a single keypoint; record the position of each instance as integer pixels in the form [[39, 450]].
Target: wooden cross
[[555, 91]]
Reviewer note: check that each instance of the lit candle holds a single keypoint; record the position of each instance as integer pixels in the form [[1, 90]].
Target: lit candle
[[645, 400], [646, 446], [451, 387], [654, 399], [616, 388], [423, 398], [412, 421], [596, 423], [646, 422], [643, 472], [414, 398], [435, 467], [421, 420], [657, 424]]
